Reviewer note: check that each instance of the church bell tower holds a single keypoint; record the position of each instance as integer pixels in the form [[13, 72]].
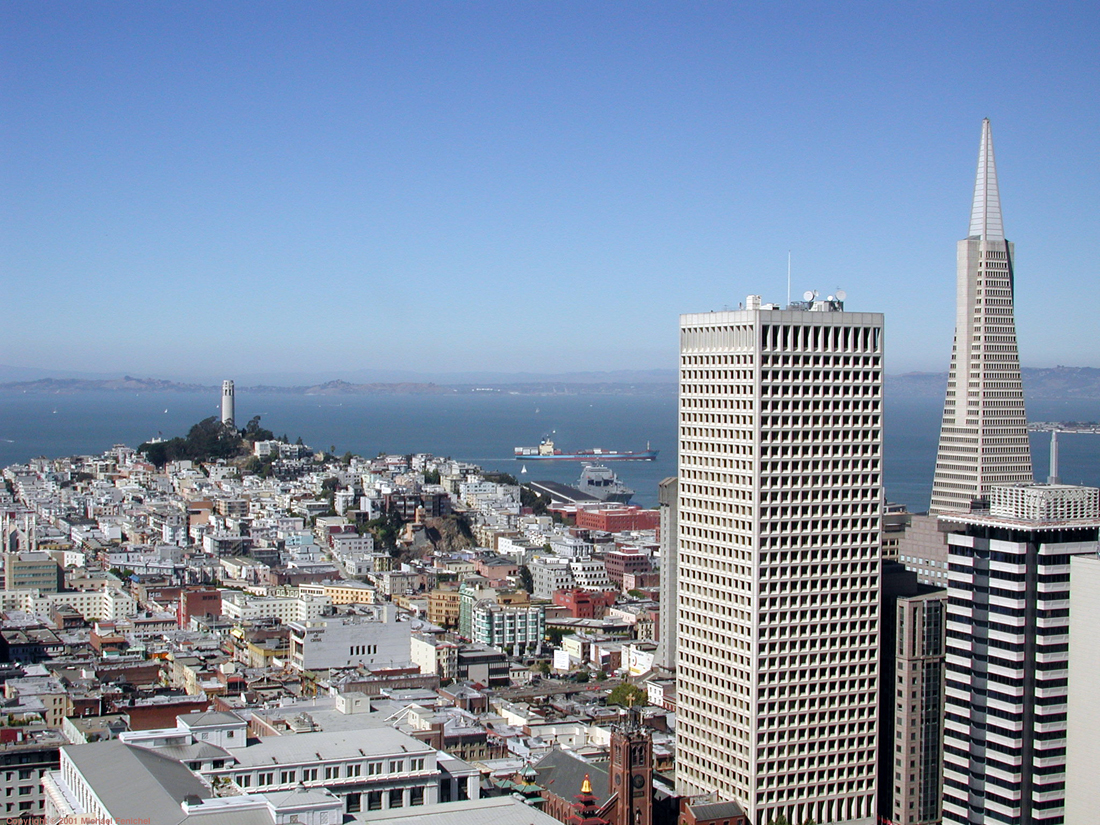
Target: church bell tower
[[631, 773]]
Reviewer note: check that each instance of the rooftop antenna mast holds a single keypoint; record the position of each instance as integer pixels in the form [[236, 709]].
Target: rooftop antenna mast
[[788, 277]]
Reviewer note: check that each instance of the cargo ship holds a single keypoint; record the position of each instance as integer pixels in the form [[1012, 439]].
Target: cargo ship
[[546, 451]]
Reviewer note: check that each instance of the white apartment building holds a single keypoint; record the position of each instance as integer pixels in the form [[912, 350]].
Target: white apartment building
[[434, 656], [571, 547], [365, 770], [241, 607], [351, 544], [374, 638], [590, 574], [779, 516], [549, 574], [509, 627], [107, 604]]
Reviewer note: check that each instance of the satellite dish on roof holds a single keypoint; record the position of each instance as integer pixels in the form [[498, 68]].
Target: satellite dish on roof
[[841, 294], [809, 295]]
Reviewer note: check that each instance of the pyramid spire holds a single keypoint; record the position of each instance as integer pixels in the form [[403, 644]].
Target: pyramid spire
[[983, 435], [985, 215]]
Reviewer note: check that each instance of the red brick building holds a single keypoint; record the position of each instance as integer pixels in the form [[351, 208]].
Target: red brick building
[[617, 519], [706, 811], [198, 602], [496, 568], [621, 562], [585, 604]]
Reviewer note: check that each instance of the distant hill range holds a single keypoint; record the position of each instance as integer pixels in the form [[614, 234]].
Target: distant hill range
[[1049, 382], [1056, 382], [131, 384]]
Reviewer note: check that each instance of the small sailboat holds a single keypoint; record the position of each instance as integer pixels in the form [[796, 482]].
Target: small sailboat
[[523, 469]]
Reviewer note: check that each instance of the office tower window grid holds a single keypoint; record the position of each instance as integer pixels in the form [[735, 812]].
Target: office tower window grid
[[779, 513]]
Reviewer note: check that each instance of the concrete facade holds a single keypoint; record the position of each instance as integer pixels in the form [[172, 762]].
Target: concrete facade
[[1083, 703], [780, 500], [343, 641], [666, 646]]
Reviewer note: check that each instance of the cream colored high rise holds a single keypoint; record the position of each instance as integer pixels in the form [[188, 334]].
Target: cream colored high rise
[[983, 436], [780, 491]]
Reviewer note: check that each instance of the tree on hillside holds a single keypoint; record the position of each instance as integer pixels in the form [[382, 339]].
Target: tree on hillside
[[205, 441], [526, 579], [254, 432], [386, 529], [539, 504]]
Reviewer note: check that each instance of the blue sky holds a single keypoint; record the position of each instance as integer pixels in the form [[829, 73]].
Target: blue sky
[[220, 188]]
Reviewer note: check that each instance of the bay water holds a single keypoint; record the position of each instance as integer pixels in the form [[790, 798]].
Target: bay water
[[484, 427]]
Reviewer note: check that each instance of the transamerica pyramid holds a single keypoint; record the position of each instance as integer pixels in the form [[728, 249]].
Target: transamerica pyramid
[[983, 436]]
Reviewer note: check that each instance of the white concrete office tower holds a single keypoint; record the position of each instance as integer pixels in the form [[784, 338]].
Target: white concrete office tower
[[983, 436], [1007, 660], [667, 497], [229, 412], [780, 499], [1083, 705]]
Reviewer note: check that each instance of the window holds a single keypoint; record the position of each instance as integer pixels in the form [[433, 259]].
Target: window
[[332, 772], [416, 796], [374, 800], [374, 768], [265, 778], [244, 780], [354, 770], [287, 777], [355, 803], [397, 798], [396, 765], [416, 764]]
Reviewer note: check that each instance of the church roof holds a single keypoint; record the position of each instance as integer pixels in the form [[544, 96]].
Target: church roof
[[562, 773]]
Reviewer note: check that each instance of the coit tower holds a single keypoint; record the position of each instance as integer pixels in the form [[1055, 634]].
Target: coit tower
[[228, 403]]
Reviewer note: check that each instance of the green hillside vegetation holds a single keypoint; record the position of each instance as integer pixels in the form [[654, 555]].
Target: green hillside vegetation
[[208, 440]]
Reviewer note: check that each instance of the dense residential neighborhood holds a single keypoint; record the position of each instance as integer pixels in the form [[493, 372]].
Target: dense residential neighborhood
[[291, 635]]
